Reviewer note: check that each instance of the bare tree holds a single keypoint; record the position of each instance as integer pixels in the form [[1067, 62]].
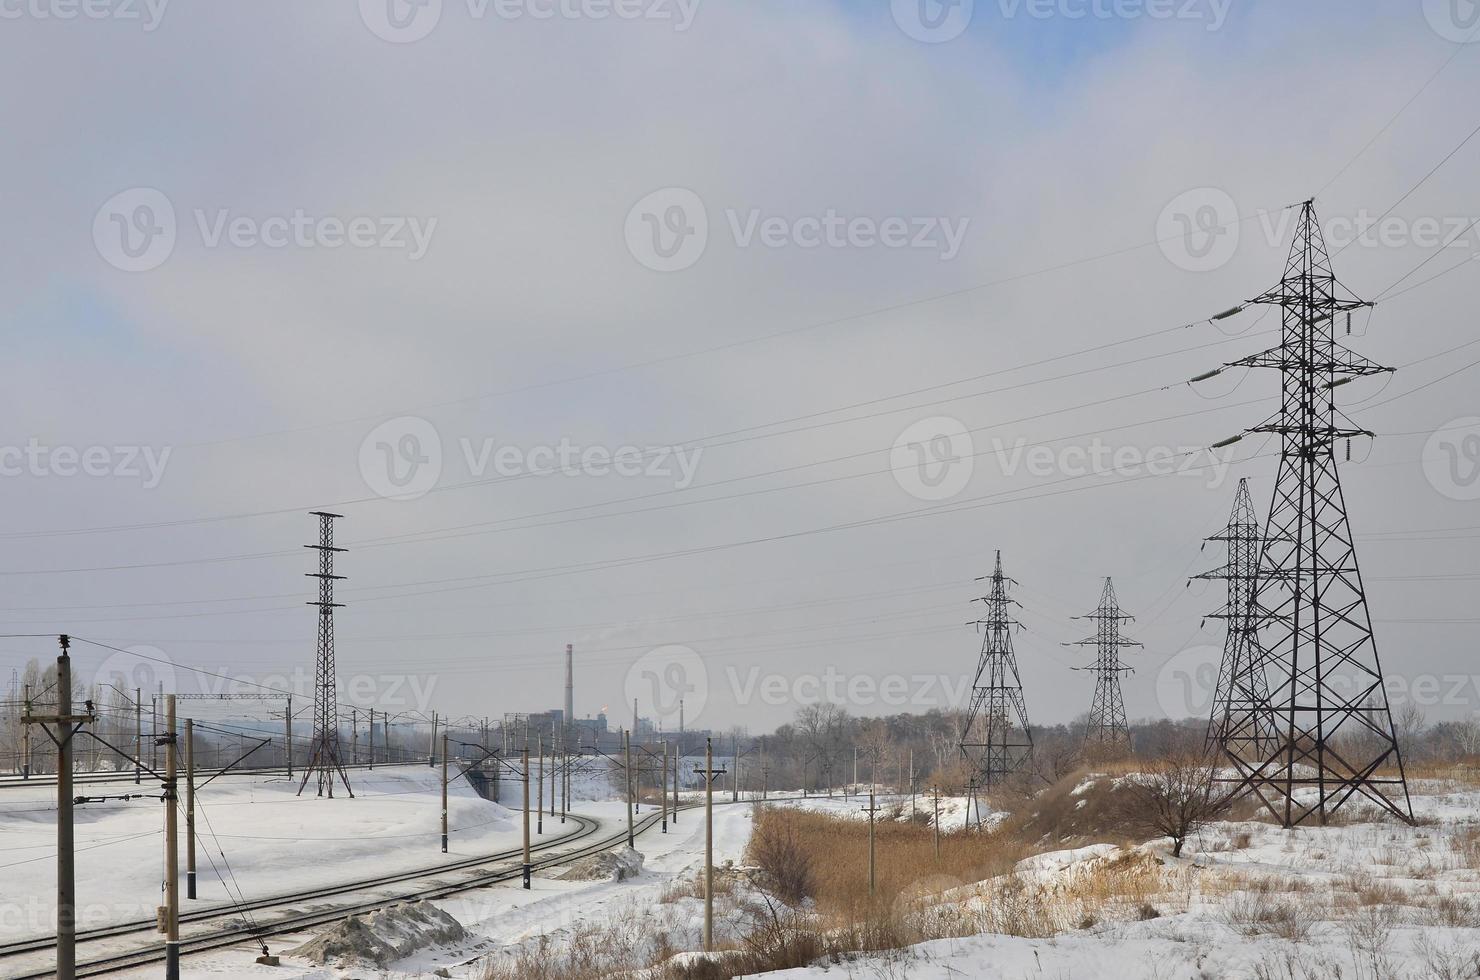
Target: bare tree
[[1175, 797]]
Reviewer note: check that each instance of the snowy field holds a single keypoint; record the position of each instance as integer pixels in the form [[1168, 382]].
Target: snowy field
[[256, 836], [1363, 899]]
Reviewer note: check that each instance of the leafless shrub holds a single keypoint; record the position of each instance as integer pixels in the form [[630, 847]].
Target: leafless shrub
[[1175, 797], [1255, 914]]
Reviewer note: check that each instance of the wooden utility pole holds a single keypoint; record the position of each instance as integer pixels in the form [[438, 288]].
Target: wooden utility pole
[[190, 808], [171, 847], [528, 869], [627, 767], [66, 725], [871, 809], [444, 792]]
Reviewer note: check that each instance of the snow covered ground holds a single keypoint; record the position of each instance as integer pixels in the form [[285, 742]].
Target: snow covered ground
[[255, 835], [1363, 899]]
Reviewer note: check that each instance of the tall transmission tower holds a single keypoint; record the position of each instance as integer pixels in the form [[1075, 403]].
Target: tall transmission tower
[[1240, 722], [997, 740], [1107, 724], [1335, 732], [323, 753]]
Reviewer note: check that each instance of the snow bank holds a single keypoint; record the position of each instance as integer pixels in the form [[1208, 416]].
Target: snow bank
[[382, 937]]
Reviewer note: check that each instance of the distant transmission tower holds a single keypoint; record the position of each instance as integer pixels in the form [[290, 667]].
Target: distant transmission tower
[[323, 754], [1335, 735], [1107, 725], [997, 740], [1240, 722]]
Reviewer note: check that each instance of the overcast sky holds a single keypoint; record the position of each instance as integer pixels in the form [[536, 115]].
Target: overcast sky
[[265, 258]]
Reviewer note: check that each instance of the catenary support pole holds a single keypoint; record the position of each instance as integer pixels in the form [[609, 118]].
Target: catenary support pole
[[190, 808], [172, 847], [524, 767]]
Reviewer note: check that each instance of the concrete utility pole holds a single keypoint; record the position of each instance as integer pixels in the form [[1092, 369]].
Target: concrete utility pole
[[172, 847], [564, 782], [539, 785], [765, 773], [138, 734], [432, 751], [444, 792], [528, 869], [190, 808], [936, 790], [26, 742], [871, 809], [663, 786], [288, 733], [66, 725], [709, 776], [912, 784], [735, 761], [627, 767], [371, 731], [675, 785]]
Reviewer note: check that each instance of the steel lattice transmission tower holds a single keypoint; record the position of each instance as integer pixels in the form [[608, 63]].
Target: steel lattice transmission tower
[[323, 755], [1107, 724], [997, 740], [1240, 722], [1334, 728]]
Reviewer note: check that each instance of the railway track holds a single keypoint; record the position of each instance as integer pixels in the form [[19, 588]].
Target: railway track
[[236, 931]]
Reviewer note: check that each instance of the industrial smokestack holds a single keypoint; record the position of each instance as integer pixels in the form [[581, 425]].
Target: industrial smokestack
[[570, 688]]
